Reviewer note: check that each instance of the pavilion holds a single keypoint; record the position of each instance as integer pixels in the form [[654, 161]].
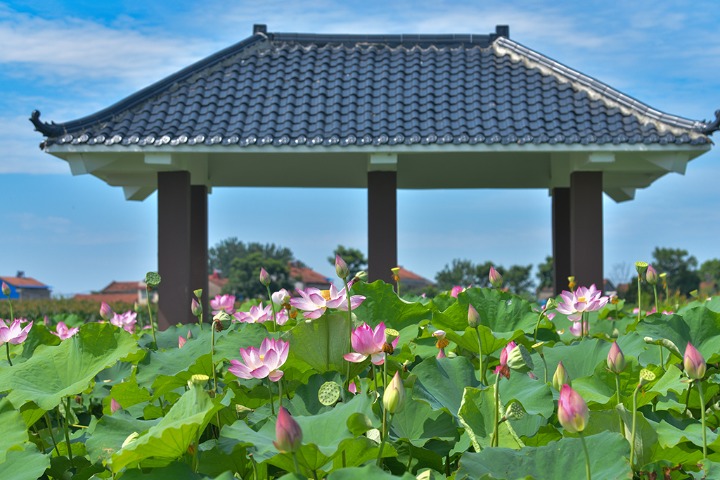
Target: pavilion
[[380, 112]]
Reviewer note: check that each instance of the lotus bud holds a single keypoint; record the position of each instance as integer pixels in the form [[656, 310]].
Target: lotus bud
[[6, 289], [473, 317], [196, 308], [496, 280], [455, 291], [181, 341], [560, 377], [287, 433], [341, 268], [694, 363], [106, 312], [264, 277], [394, 396], [651, 275], [641, 268], [114, 405], [573, 412], [615, 359], [519, 359]]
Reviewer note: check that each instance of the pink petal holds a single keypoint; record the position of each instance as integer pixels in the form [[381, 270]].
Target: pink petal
[[354, 357]]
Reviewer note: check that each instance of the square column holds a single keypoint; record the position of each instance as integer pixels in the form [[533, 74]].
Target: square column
[[561, 238], [382, 225], [586, 228], [199, 245], [174, 248]]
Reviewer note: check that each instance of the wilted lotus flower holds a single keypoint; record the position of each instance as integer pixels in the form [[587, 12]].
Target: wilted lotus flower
[[496, 280], [503, 368], [15, 333], [573, 412], [441, 343], [694, 363], [615, 359], [287, 433], [262, 363], [560, 377], [62, 331], [394, 395]]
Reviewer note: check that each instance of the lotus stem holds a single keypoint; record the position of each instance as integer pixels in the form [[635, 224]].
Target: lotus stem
[[639, 281], [617, 389], [634, 425], [384, 434], [295, 462], [702, 418], [66, 426], [587, 456], [279, 393], [657, 308], [152, 324], [349, 338], [687, 398], [495, 440], [212, 355], [52, 435], [481, 366], [7, 351], [272, 305], [272, 401]]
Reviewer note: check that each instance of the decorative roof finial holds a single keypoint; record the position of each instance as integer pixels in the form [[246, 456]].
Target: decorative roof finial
[[711, 127], [48, 129]]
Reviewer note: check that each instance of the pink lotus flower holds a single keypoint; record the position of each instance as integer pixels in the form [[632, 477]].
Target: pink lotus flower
[[577, 328], [114, 405], [262, 363], [455, 291], [62, 331], [615, 359], [223, 303], [314, 302], [353, 388], [281, 297], [256, 314], [282, 317], [368, 343], [14, 334], [582, 300], [181, 341], [126, 321], [503, 369], [694, 363], [287, 433], [573, 412]]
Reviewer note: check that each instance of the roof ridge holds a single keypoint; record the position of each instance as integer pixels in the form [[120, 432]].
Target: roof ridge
[[599, 90], [483, 39]]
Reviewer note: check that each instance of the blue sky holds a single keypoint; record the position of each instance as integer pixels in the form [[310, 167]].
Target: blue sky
[[72, 58]]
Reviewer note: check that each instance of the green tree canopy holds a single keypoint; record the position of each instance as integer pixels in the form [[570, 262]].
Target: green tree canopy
[[241, 264], [354, 258], [545, 273], [464, 272], [679, 266]]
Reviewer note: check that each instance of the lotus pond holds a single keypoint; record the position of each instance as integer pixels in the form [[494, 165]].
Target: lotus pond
[[478, 384]]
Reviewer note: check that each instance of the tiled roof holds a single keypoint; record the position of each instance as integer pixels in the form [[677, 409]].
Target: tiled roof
[[292, 90], [307, 275], [23, 282], [406, 275], [123, 287]]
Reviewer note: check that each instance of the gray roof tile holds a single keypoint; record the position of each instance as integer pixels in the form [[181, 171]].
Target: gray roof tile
[[364, 90]]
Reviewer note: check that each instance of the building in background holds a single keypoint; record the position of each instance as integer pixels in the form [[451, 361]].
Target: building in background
[[25, 288]]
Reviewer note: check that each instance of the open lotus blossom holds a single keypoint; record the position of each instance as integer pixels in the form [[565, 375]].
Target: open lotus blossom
[[126, 320], [282, 317], [15, 333], [314, 301], [265, 362], [223, 303], [574, 304], [62, 331], [256, 314], [368, 343], [577, 328]]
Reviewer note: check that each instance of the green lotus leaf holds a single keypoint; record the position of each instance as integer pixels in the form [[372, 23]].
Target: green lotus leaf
[[68, 368], [110, 433], [27, 464], [441, 382], [173, 434], [363, 473], [321, 343], [13, 428], [477, 415], [561, 459], [383, 305], [417, 423]]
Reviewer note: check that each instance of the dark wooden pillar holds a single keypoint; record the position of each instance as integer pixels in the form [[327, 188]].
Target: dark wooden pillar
[[174, 248], [382, 225], [586, 228], [199, 243], [561, 238]]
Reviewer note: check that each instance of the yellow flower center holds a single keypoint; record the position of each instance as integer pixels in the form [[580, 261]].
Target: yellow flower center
[[325, 294], [582, 299], [262, 357]]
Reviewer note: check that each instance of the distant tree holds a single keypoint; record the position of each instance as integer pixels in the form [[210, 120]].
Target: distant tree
[[482, 274], [518, 279], [680, 268], [354, 258], [241, 264], [459, 272], [545, 273], [710, 271]]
